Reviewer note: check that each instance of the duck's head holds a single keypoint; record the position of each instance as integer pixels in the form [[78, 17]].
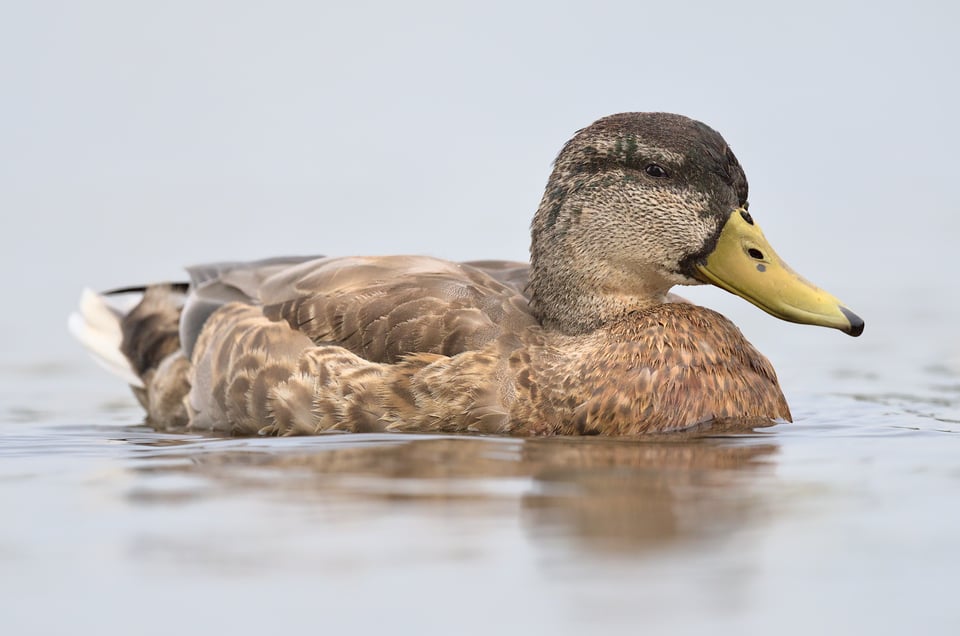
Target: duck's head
[[640, 202]]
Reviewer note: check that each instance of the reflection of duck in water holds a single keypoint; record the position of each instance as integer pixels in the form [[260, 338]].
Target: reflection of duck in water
[[605, 493], [637, 496], [587, 340]]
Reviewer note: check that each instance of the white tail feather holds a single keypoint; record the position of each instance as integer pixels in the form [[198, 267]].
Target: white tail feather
[[96, 324]]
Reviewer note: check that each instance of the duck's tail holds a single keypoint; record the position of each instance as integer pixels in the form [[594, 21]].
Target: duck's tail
[[101, 321], [98, 325]]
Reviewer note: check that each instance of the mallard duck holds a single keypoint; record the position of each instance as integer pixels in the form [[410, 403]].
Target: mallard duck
[[586, 339]]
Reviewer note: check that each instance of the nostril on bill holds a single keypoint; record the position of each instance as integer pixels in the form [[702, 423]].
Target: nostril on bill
[[755, 253]]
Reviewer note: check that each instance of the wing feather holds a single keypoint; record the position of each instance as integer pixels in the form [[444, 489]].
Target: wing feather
[[385, 308]]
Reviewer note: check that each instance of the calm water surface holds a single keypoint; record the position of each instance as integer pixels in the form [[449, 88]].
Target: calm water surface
[[847, 521]]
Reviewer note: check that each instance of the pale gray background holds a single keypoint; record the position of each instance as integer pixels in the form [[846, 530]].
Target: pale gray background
[[138, 137]]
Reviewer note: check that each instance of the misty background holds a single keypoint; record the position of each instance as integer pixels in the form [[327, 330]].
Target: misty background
[[140, 137]]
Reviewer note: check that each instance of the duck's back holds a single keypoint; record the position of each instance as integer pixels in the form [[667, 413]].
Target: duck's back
[[381, 309], [384, 308]]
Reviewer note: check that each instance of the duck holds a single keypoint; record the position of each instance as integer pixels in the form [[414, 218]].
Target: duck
[[585, 339]]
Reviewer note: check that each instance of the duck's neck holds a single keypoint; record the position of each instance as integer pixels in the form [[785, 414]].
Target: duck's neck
[[573, 295]]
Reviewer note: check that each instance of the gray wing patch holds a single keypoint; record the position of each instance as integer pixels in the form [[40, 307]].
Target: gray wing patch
[[511, 273], [200, 274], [213, 285]]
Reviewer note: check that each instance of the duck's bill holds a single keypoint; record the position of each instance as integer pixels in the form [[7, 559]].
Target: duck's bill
[[744, 264]]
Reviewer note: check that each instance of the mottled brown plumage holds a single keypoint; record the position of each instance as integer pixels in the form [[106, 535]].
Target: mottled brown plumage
[[586, 340]]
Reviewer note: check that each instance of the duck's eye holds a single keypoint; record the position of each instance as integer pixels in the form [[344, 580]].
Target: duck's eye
[[656, 171]]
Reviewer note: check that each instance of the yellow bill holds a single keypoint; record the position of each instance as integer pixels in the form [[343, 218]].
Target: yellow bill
[[744, 264]]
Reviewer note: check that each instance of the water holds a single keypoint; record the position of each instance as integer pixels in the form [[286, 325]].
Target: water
[[845, 521]]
